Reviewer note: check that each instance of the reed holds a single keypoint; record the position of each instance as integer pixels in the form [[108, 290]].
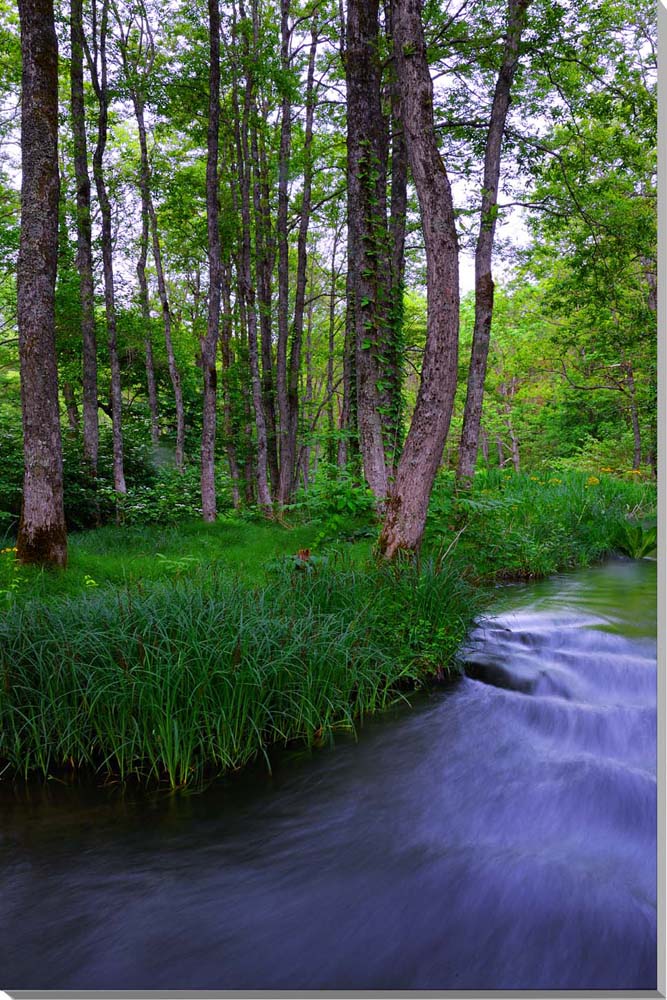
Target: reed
[[175, 680]]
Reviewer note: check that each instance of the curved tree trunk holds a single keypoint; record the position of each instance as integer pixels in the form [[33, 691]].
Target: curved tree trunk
[[42, 537], [408, 504], [472, 415]]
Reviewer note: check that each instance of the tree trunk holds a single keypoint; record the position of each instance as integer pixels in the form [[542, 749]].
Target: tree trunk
[[331, 445], [397, 226], [247, 287], [265, 256], [366, 178], [72, 409], [634, 415], [209, 343], [227, 360], [84, 256], [42, 537], [288, 438], [100, 85], [283, 247], [407, 508], [146, 317], [516, 20]]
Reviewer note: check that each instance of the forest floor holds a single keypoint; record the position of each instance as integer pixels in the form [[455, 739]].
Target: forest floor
[[168, 653]]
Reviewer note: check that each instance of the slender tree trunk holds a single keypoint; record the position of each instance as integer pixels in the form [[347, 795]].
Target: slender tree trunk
[[84, 256], [406, 513], [484, 441], [210, 341], [634, 415], [247, 287], [72, 409], [101, 88], [331, 445], [265, 255], [146, 317], [227, 361], [288, 447], [42, 536], [366, 172], [516, 21], [348, 414], [283, 248], [501, 451]]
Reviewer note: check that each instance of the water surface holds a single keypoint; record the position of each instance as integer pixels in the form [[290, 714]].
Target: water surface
[[499, 835]]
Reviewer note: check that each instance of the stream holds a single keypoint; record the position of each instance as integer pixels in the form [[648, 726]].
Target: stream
[[500, 834]]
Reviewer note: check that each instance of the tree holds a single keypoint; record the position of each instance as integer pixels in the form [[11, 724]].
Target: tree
[[408, 504], [42, 536], [209, 342], [516, 19]]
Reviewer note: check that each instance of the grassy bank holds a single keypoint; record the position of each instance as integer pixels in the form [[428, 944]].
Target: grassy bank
[[173, 653]]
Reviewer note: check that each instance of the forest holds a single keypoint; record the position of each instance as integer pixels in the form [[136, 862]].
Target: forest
[[318, 320]]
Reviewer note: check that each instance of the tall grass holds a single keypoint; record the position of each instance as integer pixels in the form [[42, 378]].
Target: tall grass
[[175, 680]]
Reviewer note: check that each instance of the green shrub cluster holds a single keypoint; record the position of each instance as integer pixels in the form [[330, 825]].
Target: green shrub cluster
[[522, 526]]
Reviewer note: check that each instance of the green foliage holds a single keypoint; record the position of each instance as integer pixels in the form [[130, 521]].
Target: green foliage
[[519, 526], [635, 539], [344, 508], [179, 679]]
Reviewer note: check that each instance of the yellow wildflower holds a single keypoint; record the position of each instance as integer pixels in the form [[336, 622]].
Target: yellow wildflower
[[592, 481]]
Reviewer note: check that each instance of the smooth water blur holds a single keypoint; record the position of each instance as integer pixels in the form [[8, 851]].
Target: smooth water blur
[[501, 834]]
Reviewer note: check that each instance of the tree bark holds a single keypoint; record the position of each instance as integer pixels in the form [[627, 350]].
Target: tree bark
[[227, 361], [634, 415], [72, 409], [146, 317], [516, 21], [209, 342], [283, 247], [101, 87], [366, 179], [42, 536], [407, 508], [84, 257], [288, 436], [247, 287]]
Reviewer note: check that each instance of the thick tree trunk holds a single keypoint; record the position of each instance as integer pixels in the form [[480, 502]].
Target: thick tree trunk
[[288, 439], [516, 21], [42, 537], [84, 256], [366, 178], [209, 343], [407, 508], [101, 88], [397, 228]]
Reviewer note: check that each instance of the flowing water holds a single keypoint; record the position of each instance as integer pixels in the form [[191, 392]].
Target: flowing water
[[501, 834]]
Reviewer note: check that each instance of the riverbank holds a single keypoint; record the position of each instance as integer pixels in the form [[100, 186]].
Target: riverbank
[[171, 654]]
